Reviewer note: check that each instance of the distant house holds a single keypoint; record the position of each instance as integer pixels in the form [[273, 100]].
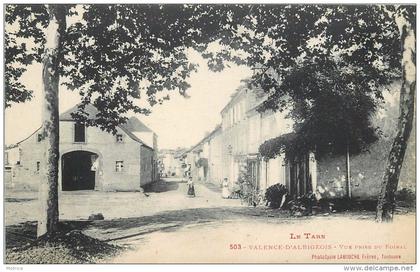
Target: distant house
[[205, 158], [170, 164], [91, 159], [11, 158]]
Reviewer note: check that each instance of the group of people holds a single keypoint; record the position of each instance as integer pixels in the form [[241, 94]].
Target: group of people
[[191, 189], [226, 193]]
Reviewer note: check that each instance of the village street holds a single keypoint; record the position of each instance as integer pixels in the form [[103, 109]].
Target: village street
[[165, 195], [157, 224]]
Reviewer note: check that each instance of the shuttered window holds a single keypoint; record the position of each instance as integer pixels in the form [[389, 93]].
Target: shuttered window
[[79, 133]]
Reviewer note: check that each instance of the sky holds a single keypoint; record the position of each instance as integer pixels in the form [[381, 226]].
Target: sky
[[179, 122]]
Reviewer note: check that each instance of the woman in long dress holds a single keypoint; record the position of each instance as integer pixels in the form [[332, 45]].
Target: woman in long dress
[[225, 188], [191, 190]]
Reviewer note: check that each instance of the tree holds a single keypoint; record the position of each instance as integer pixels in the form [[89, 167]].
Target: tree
[[31, 18], [113, 56], [389, 185], [332, 49], [48, 189], [17, 54], [331, 113], [330, 64]]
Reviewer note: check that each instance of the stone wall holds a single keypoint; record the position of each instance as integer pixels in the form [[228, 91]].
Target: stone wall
[[367, 168], [101, 143], [147, 170], [25, 174], [215, 159]]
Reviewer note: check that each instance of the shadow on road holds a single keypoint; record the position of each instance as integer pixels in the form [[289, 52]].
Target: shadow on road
[[22, 234], [14, 199], [125, 228], [134, 228], [128, 230], [161, 186]]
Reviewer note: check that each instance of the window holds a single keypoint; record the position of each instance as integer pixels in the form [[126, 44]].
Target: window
[[79, 133], [38, 166], [39, 137], [119, 138], [119, 165]]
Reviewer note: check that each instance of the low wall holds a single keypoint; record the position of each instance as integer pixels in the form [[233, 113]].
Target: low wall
[[366, 170]]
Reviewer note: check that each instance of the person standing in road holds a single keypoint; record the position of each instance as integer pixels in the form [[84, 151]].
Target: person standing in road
[[225, 188], [191, 190]]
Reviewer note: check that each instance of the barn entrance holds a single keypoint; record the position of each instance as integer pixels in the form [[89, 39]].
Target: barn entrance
[[78, 170]]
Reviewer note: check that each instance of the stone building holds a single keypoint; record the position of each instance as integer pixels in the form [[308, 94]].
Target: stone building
[[215, 156], [205, 158], [91, 159], [170, 164], [244, 129]]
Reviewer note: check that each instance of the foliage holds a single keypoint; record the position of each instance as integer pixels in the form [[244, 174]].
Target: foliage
[[247, 188], [271, 148], [406, 197], [330, 112], [18, 52], [325, 64], [116, 56], [302, 205], [274, 195]]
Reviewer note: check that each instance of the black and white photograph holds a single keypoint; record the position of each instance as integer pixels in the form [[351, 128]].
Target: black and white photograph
[[209, 133]]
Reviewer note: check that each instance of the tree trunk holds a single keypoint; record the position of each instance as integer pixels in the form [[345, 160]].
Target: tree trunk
[[348, 176], [48, 189], [386, 200]]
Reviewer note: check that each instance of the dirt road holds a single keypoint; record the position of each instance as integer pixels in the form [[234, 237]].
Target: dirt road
[[163, 225]]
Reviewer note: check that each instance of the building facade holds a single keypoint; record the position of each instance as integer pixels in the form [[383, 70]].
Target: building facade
[[244, 129], [204, 161], [91, 159], [215, 163]]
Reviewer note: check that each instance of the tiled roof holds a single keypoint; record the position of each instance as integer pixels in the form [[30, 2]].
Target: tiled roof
[[130, 127], [90, 109], [210, 135], [134, 124]]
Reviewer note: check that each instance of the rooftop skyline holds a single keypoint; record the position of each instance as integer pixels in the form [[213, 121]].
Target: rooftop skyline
[[191, 118]]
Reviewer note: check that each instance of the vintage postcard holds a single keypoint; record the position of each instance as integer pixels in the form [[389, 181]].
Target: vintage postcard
[[209, 133]]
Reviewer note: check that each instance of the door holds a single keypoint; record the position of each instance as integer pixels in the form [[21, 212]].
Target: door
[[300, 179], [78, 170], [253, 168]]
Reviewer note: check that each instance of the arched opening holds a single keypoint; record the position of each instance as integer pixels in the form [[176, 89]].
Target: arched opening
[[79, 170]]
